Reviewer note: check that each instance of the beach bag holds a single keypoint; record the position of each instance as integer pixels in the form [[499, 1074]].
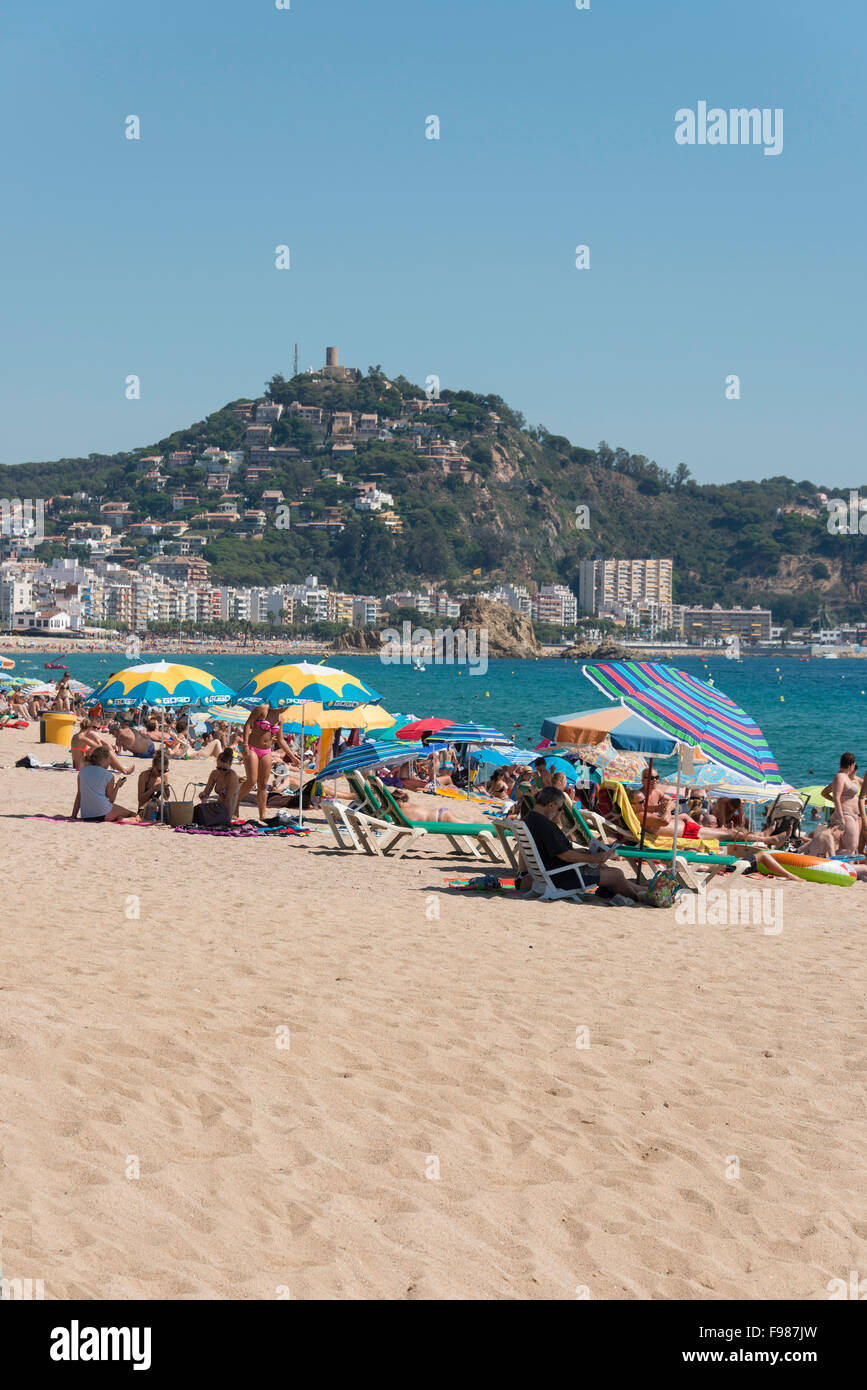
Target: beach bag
[[211, 814], [181, 812], [663, 889]]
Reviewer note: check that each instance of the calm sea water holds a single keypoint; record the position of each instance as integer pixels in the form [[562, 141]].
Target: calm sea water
[[809, 711]]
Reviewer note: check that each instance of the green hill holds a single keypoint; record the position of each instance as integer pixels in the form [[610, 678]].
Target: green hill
[[511, 515]]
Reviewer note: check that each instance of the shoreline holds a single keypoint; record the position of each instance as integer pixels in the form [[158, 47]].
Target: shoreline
[[48, 646]]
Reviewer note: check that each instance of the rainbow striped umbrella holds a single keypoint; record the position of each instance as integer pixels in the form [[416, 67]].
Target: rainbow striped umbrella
[[694, 713], [279, 686], [161, 684]]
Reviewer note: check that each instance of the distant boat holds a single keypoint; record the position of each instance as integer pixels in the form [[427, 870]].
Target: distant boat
[[418, 664]]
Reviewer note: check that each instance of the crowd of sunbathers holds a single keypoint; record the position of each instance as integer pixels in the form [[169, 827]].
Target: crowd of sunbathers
[[267, 762]]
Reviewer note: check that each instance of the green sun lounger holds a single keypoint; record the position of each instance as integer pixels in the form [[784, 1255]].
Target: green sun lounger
[[465, 837]]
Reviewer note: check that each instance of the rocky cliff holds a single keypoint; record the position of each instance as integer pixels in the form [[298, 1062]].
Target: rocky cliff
[[357, 639], [508, 633]]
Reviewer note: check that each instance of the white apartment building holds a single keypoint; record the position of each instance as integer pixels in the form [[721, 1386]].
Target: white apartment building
[[555, 604], [603, 583], [516, 596], [16, 596]]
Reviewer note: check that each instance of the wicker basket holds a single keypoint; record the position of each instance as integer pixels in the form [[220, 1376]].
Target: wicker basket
[[180, 812]]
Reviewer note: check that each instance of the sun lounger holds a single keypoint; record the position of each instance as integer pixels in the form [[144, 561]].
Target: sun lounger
[[354, 830], [584, 826], [467, 839]]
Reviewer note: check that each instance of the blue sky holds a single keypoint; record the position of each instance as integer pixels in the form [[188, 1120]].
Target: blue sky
[[453, 257]]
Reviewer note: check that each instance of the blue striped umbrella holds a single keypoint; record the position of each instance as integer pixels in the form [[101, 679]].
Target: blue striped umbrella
[[470, 733], [368, 754]]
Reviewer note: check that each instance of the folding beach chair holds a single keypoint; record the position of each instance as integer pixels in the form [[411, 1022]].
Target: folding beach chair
[[542, 879]]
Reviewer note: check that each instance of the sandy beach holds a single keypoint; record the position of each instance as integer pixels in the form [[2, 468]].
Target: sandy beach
[[260, 1069]]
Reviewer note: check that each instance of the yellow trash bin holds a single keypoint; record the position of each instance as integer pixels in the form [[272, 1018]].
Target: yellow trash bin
[[57, 727]]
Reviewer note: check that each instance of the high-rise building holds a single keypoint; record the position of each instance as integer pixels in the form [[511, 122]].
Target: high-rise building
[[603, 584]]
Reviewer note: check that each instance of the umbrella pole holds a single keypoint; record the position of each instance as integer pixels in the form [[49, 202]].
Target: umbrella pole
[[640, 868], [301, 775], [163, 769], [676, 804]]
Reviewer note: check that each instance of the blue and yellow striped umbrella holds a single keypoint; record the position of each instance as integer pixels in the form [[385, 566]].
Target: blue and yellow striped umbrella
[[160, 683], [301, 684]]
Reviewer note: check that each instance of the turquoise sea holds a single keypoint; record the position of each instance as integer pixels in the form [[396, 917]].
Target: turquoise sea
[[809, 711]]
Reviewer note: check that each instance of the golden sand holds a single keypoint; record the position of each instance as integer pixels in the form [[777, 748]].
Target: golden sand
[[252, 1069]]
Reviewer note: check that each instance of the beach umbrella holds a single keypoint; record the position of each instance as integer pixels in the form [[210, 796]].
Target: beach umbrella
[[161, 684], [814, 797], [481, 735], [400, 722], [371, 754], [422, 728], [612, 762], [317, 718], [302, 684], [614, 725], [226, 714], [695, 714], [690, 711]]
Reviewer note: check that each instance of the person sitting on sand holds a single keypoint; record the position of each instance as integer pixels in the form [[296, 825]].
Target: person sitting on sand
[[824, 842], [152, 788], [500, 785], [17, 706], [187, 746], [223, 784], [845, 792], [97, 790], [555, 849], [85, 739]]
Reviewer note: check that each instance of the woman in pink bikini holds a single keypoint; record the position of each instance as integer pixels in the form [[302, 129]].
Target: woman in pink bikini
[[263, 729]]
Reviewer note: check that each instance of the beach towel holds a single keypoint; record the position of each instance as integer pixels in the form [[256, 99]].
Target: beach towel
[[484, 883], [29, 761], [242, 830]]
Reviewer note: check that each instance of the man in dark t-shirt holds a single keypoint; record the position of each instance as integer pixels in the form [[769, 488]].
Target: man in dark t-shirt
[[555, 850]]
